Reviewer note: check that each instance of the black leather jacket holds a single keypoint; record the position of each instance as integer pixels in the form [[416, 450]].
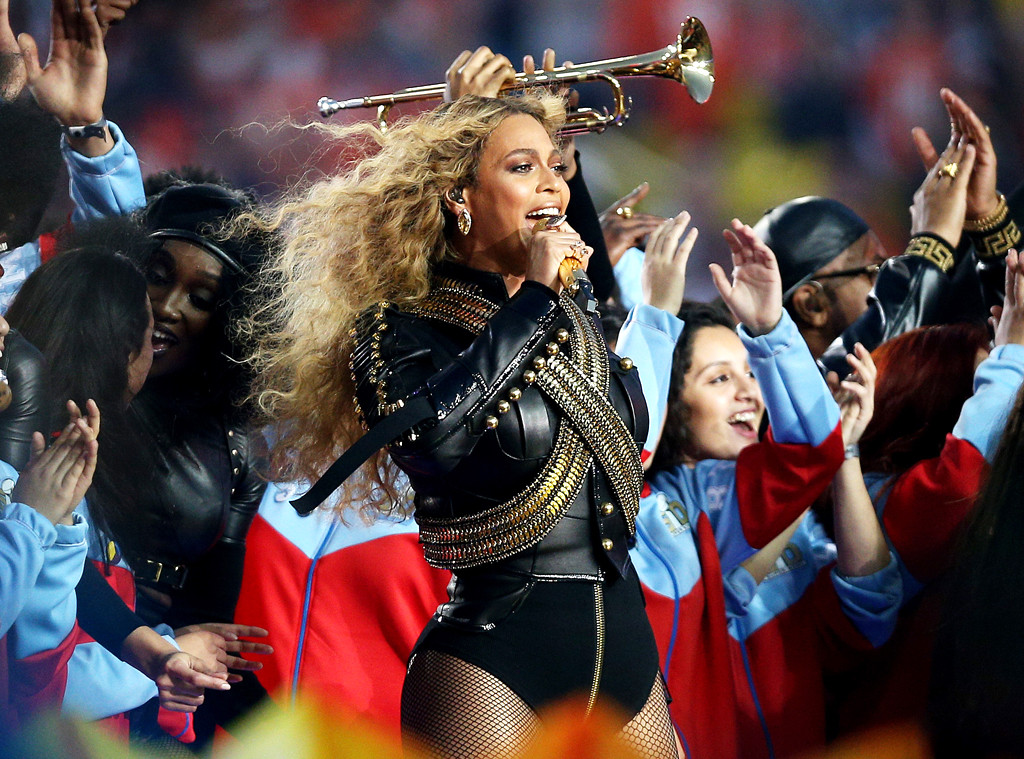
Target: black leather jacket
[[457, 463], [910, 292], [207, 473], [25, 368]]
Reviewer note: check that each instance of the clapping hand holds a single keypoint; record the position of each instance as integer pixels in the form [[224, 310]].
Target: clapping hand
[[964, 124], [56, 478], [755, 294]]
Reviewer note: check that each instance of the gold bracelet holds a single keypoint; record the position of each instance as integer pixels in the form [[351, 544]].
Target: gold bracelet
[[996, 243], [990, 222], [933, 248]]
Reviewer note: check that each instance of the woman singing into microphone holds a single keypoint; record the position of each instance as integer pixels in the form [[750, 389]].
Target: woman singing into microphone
[[429, 273]]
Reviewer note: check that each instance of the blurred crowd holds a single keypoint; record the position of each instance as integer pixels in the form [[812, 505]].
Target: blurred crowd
[[813, 97]]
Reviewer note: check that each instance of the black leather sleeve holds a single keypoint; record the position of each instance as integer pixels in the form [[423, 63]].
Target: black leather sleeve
[[414, 358], [248, 458], [29, 410], [102, 613], [910, 292], [582, 216]]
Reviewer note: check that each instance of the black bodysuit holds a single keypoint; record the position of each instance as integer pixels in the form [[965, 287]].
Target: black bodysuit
[[526, 482]]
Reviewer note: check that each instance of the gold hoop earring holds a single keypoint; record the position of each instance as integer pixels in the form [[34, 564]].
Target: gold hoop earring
[[465, 222]]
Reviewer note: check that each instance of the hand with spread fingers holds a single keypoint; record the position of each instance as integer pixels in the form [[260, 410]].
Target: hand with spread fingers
[[234, 645], [940, 203], [755, 294], [663, 274], [1008, 320], [73, 83], [964, 124], [623, 227]]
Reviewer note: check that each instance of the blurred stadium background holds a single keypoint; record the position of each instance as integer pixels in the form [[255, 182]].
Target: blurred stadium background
[[812, 96]]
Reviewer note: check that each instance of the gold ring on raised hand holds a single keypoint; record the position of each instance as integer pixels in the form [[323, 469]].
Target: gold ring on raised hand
[[949, 170], [625, 212]]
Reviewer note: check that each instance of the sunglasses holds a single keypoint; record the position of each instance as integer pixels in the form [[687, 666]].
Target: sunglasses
[[870, 270]]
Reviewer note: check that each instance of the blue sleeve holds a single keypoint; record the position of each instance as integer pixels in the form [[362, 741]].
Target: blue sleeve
[[872, 602], [100, 685], [25, 536], [996, 382], [627, 277], [48, 615], [800, 407], [107, 185], [17, 265], [649, 338]]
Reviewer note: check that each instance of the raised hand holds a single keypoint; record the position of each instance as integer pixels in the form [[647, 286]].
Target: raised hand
[[982, 196], [941, 201], [755, 294], [623, 227], [856, 394], [73, 83], [1008, 320], [663, 274], [481, 72]]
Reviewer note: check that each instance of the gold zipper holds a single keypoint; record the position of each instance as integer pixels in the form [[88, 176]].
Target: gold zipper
[[599, 652]]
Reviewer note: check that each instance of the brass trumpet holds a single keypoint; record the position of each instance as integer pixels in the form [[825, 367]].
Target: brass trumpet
[[688, 61]]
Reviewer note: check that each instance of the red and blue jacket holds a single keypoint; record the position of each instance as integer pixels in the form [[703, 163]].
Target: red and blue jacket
[[698, 524], [40, 564], [344, 603], [923, 514]]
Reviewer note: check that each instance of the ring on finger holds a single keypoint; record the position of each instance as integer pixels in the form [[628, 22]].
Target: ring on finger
[[625, 212], [577, 248], [949, 170]]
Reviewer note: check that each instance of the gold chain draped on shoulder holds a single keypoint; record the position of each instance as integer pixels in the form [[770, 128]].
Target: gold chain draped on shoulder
[[577, 382]]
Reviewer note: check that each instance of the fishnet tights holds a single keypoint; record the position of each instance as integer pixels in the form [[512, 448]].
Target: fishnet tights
[[454, 710], [650, 732]]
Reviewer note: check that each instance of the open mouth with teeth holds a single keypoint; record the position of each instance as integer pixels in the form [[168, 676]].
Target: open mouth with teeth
[[744, 422], [544, 213], [163, 341]]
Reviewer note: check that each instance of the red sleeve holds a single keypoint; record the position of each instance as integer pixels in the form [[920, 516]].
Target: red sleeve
[[47, 247], [775, 482], [37, 682], [928, 505]]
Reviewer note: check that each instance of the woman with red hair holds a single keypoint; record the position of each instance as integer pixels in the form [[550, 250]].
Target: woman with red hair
[[942, 401]]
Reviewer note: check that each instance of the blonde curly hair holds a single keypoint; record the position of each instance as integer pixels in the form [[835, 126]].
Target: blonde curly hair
[[373, 232]]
